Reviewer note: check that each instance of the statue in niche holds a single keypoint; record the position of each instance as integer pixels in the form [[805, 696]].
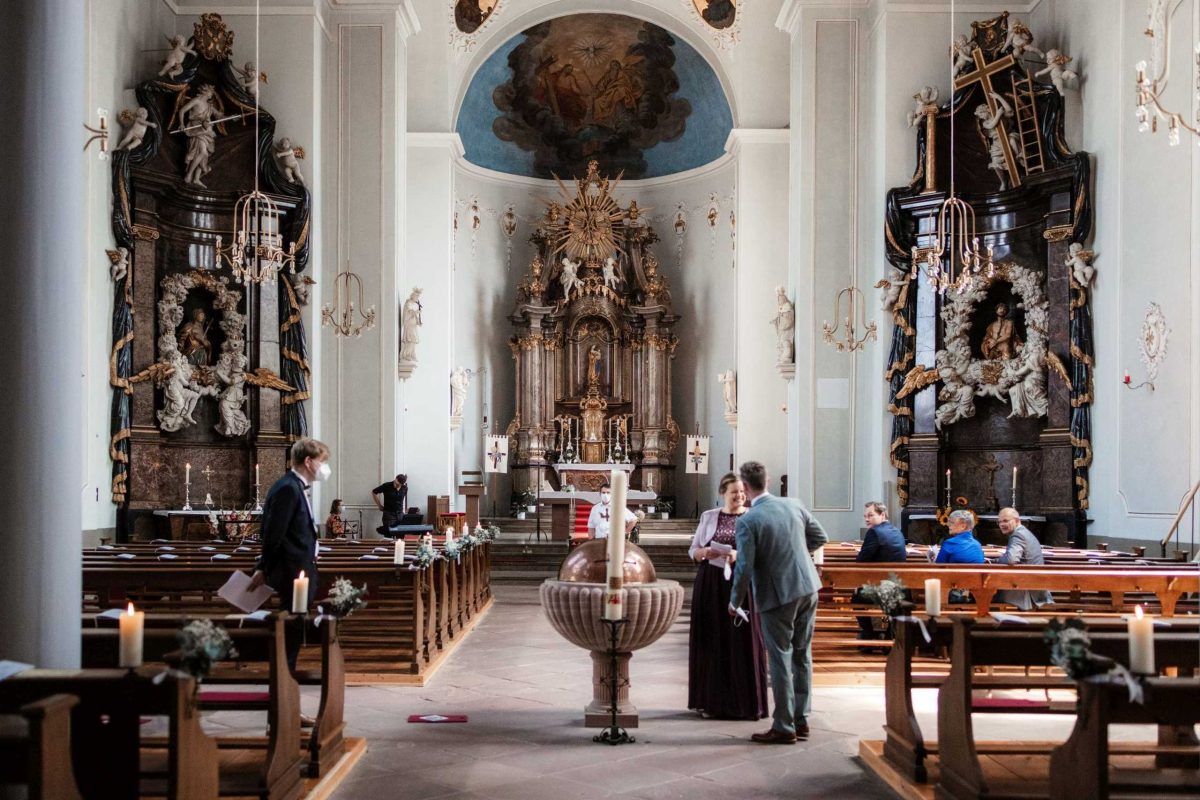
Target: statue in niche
[[173, 64], [570, 277], [197, 116], [138, 122], [785, 327], [193, 339], [1001, 341], [593, 357], [231, 371], [460, 379], [993, 129], [728, 381], [410, 324], [286, 155]]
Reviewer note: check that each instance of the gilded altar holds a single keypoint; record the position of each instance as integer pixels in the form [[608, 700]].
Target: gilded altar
[[593, 343]]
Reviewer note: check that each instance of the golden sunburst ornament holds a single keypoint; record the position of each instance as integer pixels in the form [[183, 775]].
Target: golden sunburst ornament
[[584, 226]]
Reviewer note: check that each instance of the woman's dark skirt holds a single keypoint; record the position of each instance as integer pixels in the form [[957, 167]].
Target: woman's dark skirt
[[727, 667]]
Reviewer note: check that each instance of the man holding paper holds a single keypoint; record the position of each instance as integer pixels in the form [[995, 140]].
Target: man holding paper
[[289, 532], [775, 540]]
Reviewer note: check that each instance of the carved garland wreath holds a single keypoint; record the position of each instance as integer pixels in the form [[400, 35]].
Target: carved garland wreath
[[1021, 380]]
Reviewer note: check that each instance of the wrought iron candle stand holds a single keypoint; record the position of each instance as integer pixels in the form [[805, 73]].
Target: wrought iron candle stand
[[613, 734]]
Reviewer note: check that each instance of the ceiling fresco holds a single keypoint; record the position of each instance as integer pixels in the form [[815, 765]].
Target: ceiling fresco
[[594, 86]]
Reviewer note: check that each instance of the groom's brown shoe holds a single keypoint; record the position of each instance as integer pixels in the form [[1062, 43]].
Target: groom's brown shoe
[[774, 737], [802, 732]]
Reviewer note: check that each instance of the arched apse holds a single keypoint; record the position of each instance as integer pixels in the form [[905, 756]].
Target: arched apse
[[611, 87]]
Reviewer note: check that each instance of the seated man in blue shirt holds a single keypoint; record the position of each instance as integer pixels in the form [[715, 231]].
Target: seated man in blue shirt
[[883, 542], [961, 547]]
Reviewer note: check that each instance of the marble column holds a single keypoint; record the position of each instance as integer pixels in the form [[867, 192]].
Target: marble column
[[42, 263]]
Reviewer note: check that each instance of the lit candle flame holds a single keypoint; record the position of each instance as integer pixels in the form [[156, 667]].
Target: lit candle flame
[[129, 610], [1138, 610], [301, 574]]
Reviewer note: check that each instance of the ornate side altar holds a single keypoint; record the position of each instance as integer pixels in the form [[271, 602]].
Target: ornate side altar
[[991, 372], [593, 346], [209, 363]]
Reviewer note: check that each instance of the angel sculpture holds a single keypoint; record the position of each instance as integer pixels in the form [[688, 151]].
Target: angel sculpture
[[893, 284], [138, 122], [249, 77], [231, 371], [1078, 261], [1020, 39], [957, 396], [285, 156], [120, 263], [302, 286], [180, 394], [926, 101], [785, 327], [963, 52], [1056, 67], [264, 378], [612, 276], [460, 380], [198, 115], [173, 64], [917, 379], [570, 277], [990, 123], [728, 381]]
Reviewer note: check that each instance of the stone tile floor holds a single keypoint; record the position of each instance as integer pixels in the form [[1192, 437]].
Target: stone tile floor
[[524, 689]]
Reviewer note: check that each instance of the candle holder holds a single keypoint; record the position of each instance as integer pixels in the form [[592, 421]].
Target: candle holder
[[614, 734], [257, 500], [187, 495]]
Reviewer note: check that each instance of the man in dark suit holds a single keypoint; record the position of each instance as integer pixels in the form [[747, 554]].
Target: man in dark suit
[[775, 542], [289, 532], [883, 542]]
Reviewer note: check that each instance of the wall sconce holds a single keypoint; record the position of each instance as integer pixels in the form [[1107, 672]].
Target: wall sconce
[[98, 134], [1130, 385], [854, 313]]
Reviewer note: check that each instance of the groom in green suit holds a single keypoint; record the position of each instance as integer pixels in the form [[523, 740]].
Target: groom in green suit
[[775, 540]]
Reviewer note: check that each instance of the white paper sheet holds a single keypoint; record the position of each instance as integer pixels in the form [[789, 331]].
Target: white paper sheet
[[10, 668], [236, 592]]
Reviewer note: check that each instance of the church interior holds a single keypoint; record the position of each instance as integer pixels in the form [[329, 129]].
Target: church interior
[[472, 273]]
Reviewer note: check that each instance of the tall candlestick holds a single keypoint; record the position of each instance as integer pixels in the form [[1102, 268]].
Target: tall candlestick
[[947, 488], [1141, 644], [132, 624], [614, 596], [256, 480], [300, 594], [1014, 502], [933, 597], [187, 473], [398, 556]]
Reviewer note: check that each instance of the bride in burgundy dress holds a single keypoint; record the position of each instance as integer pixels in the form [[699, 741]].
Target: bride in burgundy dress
[[727, 667]]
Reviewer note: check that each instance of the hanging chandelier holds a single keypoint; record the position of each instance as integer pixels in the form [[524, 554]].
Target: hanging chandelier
[[955, 259], [256, 254], [1152, 79], [849, 340], [340, 314]]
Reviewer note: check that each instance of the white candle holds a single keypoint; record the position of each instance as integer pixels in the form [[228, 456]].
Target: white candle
[[933, 597], [947, 481], [614, 607], [132, 624], [187, 473], [398, 557], [300, 594], [256, 481], [1141, 644], [466, 530], [449, 534]]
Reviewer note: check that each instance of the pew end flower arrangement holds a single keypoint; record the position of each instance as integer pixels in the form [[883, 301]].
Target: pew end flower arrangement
[[201, 644], [1070, 651], [344, 599], [889, 595]]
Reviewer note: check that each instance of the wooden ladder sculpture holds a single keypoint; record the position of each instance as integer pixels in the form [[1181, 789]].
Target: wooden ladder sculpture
[[1025, 110]]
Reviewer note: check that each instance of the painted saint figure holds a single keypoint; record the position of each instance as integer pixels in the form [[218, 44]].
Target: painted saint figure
[[1001, 340], [193, 339]]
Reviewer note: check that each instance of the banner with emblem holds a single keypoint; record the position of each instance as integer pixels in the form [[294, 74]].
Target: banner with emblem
[[495, 454], [696, 457]]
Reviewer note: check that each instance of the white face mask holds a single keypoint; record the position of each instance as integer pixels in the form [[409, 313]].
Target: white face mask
[[605, 497], [323, 472]]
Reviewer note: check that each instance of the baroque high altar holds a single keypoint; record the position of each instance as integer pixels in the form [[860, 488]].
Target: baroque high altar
[[593, 348]]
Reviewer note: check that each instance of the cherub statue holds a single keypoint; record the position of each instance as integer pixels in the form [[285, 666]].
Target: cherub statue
[[179, 396], [1079, 262], [1056, 66], [120, 263], [139, 121], [990, 124], [612, 275], [231, 371], [1020, 39], [285, 156], [728, 381], [249, 77], [962, 51], [570, 277], [957, 398], [302, 286], [173, 64], [893, 284], [785, 327], [926, 100]]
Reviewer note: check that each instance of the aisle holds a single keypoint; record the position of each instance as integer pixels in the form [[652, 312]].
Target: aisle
[[524, 689]]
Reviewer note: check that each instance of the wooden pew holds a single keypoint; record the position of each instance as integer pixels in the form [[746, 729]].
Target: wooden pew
[[983, 644], [35, 748], [1079, 768], [275, 776], [106, 747]]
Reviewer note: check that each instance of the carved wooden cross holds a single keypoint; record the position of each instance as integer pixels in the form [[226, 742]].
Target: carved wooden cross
[[983, 75]]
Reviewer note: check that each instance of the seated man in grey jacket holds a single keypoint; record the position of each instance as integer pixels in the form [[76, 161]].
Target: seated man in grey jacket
[[1023, 549]]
